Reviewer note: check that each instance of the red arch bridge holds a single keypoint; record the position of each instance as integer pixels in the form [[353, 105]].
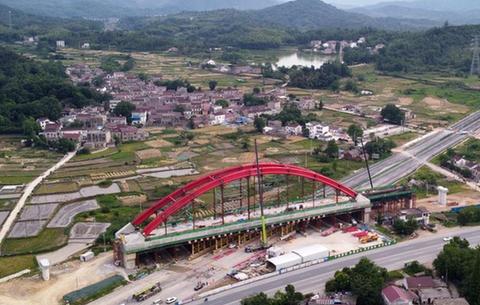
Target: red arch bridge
[[185, 195], [141, 235]]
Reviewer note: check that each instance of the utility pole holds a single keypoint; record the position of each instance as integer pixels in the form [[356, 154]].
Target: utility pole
[[260, 197], [366, 163], [475, 67], [10, 19]]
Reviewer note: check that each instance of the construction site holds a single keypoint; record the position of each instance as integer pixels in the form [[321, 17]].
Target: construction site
[[251, 229]]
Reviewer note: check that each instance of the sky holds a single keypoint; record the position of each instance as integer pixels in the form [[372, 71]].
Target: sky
[[354, 3]]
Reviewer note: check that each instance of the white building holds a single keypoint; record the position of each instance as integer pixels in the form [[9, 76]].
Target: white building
[[217, 119], [319, 131], [294, 129], [43, 122], [139, 118], [60, 44]]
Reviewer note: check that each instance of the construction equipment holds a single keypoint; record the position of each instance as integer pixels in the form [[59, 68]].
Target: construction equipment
[[369, 238], [147, 293]]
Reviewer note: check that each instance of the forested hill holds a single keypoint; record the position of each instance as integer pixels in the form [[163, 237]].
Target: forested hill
[[29, 24], [29, 90], [314, 14], [441, 49], [297, 15], [125, 8]]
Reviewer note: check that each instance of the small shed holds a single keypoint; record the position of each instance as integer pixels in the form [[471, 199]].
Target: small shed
[[311, 253], [284, 261], [85, 257]]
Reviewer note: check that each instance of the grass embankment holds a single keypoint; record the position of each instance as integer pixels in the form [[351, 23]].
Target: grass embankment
[[13, 264], [431, 179], [47, 240]]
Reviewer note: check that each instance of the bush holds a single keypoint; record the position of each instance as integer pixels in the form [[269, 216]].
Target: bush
[[105, 183]]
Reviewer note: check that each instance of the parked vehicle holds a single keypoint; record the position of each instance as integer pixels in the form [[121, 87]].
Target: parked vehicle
[[199, 286], [147, 293], [170, 300]]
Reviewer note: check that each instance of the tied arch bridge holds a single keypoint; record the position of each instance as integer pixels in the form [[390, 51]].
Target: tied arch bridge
[[174, 220]]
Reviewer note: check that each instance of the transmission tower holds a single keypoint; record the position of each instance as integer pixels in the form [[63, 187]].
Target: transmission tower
[[475, 68]]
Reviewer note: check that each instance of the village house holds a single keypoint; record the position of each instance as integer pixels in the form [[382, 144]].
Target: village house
[[353, 154], [393, 295], [421, 215], [129, 133], [139, 118], [463, 163], [43, 122], [293, 129], [51, 131], [452, 301], [98, 139], [319, 132]]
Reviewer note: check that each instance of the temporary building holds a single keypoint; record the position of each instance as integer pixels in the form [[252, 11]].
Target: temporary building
[[284, 261], [311, 253]]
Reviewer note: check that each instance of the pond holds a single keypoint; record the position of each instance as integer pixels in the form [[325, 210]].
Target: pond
[[303, 59]]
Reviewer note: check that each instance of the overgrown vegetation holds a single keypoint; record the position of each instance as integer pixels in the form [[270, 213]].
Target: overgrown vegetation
[[461, 264], [31, 89], [365, 280]]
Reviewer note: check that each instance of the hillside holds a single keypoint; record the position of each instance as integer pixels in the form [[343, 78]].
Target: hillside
[[455, 12], [124, 8], [35, 25], [438, 49]]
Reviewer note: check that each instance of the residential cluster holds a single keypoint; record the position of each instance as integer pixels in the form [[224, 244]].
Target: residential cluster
[[157, 106], [91, 127], [420, 290], [332, 47]]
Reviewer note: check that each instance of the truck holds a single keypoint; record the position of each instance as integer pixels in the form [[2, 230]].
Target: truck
[[369, 238], [147, 293]]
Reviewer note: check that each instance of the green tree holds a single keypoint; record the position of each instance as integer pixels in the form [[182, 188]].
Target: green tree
[[405, 227], [332, 149], [259, 123], [393, 114], [222, 103], [256, 90], [124, 109], [259, 299], [351, 86], [472, 289], [212, 85], [355, 132], [365, 280], [30, 127], [455, 260]]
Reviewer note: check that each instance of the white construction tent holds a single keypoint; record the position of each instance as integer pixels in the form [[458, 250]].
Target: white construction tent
[[299, 256]]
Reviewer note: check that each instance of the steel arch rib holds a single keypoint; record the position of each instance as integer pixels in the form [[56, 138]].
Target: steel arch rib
[[185, 195], [189, 187]]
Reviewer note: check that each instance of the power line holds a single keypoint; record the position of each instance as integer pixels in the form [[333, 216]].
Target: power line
[[475, 67]]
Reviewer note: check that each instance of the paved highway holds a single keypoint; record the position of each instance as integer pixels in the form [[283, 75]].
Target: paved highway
[[399, 165], [312, 279]]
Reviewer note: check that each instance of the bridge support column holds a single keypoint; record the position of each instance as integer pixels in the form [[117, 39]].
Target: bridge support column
[[214, 204], [366, 215], [303, 189], [223, 204], [193, 214], [248, 197], [241, 193], [313, 193], [288, 199]]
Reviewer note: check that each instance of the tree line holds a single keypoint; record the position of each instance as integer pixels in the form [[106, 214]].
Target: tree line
[[31, 89]]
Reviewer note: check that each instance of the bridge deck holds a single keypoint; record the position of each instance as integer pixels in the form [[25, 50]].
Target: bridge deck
[[135, 242]]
